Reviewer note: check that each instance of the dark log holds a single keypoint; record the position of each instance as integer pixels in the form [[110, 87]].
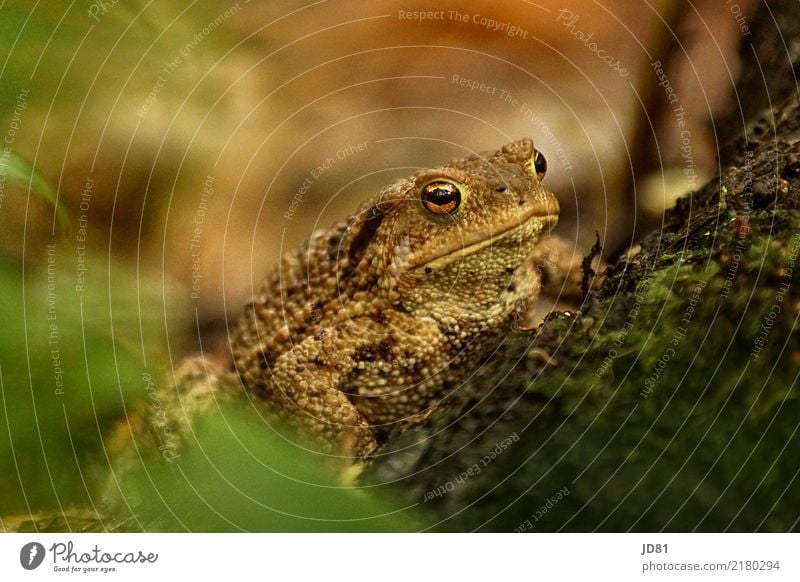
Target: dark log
[[670, 402]]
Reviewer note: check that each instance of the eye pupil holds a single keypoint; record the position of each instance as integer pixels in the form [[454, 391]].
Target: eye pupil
[[540, 164], [441, 197]]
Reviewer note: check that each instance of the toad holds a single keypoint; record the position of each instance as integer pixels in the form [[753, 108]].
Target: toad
[[379, 319]]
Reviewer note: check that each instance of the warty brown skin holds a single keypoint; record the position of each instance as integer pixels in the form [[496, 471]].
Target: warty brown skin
[[377, 320]]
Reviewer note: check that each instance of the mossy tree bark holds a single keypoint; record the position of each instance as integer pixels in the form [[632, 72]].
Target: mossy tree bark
[[670, 402]]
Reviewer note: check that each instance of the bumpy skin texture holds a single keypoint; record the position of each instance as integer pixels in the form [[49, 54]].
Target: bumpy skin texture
[[377, 320]]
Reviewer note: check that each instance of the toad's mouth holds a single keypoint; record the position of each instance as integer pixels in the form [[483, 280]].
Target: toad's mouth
[[530, 227]]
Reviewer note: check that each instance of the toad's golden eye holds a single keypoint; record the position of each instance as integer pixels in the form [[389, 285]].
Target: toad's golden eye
[[441, 198], [540, 165]]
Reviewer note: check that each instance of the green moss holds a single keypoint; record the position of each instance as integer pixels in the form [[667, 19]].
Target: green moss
[[658, 409]]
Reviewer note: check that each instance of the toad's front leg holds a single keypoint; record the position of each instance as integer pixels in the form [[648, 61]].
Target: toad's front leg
[[557, 282], [306, 382]]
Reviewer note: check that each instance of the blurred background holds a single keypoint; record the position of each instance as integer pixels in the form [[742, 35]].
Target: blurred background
[[187, 145]]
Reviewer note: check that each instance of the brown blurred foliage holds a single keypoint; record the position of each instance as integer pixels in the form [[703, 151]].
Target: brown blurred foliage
[[215, 137]]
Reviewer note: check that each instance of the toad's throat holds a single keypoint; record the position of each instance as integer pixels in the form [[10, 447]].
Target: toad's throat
[[533, 225]]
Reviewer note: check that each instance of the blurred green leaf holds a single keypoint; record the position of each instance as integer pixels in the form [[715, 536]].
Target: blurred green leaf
[[20, 173], [71, 362], [238, 475]]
